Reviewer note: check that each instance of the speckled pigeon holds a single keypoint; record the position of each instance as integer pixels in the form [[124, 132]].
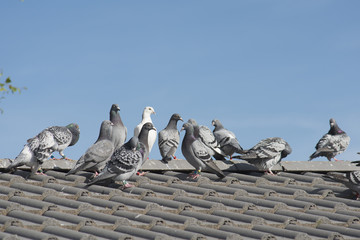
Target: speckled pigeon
[[349, 179], [332, 143], [196, 154], [205, 135], [119, 131], [97, 154], [39, 148], [146, 117], [267, 153], [127, 159], [226, 139], [169, 139]]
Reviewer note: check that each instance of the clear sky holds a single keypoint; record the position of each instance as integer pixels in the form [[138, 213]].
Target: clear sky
[[263, 68]]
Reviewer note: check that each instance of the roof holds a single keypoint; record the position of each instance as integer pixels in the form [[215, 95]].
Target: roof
[[164, 204]]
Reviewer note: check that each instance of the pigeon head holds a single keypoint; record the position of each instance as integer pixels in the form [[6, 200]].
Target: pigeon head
[[188, 127], [176, 117], [192, 122], [334, 128], [148, 126], [145, 130], [75, 131], [195, 126], [114, 114], [105, 130], [217, 124], [148, 111], [115, 108], [286, 151]]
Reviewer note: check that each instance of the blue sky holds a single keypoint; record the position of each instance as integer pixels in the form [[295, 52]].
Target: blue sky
[[263, 68]]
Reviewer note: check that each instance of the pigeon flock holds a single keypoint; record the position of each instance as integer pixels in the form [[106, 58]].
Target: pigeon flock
[[111, 158]]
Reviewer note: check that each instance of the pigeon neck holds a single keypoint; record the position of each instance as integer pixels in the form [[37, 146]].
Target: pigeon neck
[[190, 135], [143, 137], [115, 118], [172, 124], [146, 117], [133, 142], [218, 127], [104, 134], [335, 130], [196, 131]]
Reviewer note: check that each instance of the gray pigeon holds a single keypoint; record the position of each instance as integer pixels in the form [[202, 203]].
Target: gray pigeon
[[332, 143], [205, 135], [169, 139], [39, 148], [196, 154], [119, 130], [97, 154], [267, 153], [349, 179], [226, 139], [126, 160]]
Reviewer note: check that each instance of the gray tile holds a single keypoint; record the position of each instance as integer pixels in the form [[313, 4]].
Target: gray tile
[[318, 233]]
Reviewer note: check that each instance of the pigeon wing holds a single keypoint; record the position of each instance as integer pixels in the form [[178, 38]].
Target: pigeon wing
[[201, 153], [62, 135], [168, 141]]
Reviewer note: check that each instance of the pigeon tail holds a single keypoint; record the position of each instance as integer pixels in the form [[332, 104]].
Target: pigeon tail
[[24, 157], [104, 175]]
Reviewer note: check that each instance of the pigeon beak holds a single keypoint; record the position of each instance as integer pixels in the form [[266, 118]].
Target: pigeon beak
[[182, 129], [213, 123], [181, 119]]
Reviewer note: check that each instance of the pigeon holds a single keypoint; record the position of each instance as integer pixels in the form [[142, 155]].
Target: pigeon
[[119, 130], [146, 118], [196, 154], [349, 179], [267, 153], [226, 139], [169, 138], [39, 148], [97, 154], [332, 143], [126, 160], [207, 137]]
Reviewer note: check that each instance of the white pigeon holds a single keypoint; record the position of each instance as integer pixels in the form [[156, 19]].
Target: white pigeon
[[146, 117]]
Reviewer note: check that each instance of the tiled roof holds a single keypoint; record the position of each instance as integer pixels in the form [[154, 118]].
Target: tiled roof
[[164, 204]]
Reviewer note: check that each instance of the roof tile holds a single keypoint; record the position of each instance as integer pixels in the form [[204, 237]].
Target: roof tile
[[167, 205]]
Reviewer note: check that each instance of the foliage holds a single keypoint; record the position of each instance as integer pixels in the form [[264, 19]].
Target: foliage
[[7, 87]]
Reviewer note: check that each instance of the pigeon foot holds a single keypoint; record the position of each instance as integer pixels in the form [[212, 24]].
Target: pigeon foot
[[127, 185], [141, 173], [337, 160], [194, 175]]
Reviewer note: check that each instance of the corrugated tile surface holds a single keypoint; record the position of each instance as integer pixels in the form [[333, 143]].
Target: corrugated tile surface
[[167, 205]]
